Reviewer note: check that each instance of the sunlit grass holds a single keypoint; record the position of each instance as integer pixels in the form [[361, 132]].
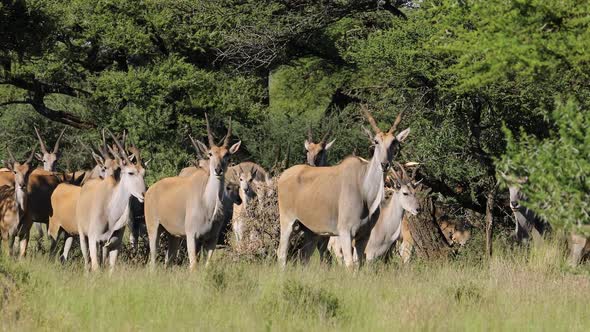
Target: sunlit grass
[[513, 291]]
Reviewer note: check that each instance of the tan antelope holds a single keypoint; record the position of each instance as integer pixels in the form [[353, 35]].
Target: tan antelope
[[13, 204], [105, 163], [317, 153], [387, 229], [40, 186], [231, 197], [262, 176], [102, 209], [49, 159], [187, 206], [247, 192], [337, 200], [65, 198]]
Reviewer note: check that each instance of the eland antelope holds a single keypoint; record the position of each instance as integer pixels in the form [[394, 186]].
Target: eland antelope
[[247, 191], [337, 200], [527, 223], [187, 206], [378, 241], [317, 153], [387, 229], [49, 159], [102, 209], [65, 198], [13, 204]]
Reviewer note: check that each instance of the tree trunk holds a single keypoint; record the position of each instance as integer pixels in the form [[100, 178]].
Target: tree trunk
[[490, 220], [428, 240]]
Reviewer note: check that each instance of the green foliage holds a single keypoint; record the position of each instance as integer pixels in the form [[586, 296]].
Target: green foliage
[[458, 69], [557, 168]]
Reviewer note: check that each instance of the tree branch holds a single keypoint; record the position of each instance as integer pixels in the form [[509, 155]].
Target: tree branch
[[57, 116], [45, 87], [38, 103], [62, 117], [14, 102]]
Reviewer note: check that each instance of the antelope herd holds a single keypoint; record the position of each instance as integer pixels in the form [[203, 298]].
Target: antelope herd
[[341, 209]]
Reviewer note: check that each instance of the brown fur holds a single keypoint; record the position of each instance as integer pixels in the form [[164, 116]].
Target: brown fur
[[8, 217], [13, 218]]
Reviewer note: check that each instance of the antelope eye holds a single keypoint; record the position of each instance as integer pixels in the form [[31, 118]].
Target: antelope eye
[[376, 142], [210, 154], [130, 173], [405, 194]]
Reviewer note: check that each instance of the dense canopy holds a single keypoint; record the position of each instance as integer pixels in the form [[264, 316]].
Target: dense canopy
[[466, 73]]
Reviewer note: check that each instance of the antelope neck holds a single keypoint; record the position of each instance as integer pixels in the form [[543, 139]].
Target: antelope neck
[[119, 200], [213, 192], [373, 184], [393, 213]]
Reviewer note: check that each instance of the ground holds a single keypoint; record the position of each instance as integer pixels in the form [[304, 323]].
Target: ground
[[515, 290]]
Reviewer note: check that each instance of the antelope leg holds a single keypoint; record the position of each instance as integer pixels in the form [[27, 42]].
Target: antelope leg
[[92, 245], [84, 248], [210, 247], [191, 247], [67, 246], [346, 245], [286, 230], [153, 238]]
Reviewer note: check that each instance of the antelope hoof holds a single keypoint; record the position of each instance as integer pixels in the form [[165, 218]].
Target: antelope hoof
[[62, 259]]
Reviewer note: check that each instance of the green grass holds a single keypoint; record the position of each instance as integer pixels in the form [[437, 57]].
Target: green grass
[[513, 291]]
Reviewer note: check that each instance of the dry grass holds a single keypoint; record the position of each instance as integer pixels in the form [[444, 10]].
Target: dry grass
[[515, 290], [262, 229]]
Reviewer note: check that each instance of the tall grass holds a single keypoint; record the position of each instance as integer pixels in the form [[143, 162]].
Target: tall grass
[[515, 290]]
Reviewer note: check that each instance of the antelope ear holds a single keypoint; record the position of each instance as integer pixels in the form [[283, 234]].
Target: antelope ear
[[403, 135], [39, 156], [329, 145], [9, 165], [306, 144], [202, 147], [234, 148], [132, 157]]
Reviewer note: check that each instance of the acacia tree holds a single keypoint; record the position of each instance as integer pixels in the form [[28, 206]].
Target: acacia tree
[[462, 70], [155, 67]]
